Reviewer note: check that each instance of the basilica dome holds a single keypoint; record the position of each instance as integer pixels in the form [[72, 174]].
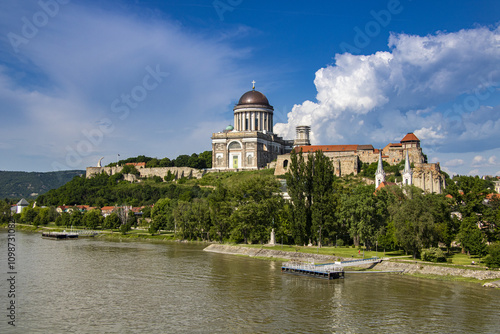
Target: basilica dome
[[253, 97]]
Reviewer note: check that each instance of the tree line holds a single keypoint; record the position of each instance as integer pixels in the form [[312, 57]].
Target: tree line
[[199, 161], [103, 189]]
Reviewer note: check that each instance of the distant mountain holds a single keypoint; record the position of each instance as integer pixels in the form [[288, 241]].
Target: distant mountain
[[32, 184]]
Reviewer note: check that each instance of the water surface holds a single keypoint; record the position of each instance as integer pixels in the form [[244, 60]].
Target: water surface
[[96, 286]]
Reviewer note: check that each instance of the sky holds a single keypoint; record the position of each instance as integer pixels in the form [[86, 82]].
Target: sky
[[85, 80]]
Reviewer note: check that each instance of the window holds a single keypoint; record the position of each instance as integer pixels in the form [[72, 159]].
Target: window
[[234, 145], [285, 164]]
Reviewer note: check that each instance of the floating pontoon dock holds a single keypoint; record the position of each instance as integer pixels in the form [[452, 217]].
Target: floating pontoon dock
[[329, 271], [68, 235], [326, 270], [59, 235]]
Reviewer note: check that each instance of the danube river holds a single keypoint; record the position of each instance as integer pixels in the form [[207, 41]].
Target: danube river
[[96, 286]]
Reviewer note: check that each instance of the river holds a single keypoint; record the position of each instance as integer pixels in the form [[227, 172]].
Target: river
[[96, 286]]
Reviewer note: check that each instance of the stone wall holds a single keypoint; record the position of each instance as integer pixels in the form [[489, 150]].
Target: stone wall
[[408, 267], [178, 172], [429, 178]]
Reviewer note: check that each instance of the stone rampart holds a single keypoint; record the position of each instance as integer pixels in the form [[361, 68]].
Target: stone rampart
[[177, 172]]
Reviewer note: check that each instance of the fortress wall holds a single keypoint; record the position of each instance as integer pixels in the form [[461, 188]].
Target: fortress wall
[[429, 178], [178, 172], [91, 171]]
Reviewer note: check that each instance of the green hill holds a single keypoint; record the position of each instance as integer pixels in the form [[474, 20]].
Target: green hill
[[32, 184]]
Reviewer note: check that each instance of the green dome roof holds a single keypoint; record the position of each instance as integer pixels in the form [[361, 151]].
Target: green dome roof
[[229, 128]]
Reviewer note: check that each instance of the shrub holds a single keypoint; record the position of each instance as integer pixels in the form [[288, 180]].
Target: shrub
[[340, 242], [492, 260], [433, 254]]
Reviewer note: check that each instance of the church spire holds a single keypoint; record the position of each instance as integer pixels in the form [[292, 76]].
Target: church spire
[[379, 174], [407, 172]]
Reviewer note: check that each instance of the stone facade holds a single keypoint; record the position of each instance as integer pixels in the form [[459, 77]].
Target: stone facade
[[347, 159], [178, 172], [251, 143], [237, 150], [429, 178]]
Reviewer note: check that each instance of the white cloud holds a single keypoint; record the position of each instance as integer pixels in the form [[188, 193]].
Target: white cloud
[[480, 161], [454, 163], [380, 97], [473, 172]]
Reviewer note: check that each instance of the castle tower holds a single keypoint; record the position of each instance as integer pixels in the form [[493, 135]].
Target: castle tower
[[379, 174], [407, 172], [302, 135]]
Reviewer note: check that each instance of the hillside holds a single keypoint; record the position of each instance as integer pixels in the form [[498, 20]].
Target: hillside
[[32, 184]]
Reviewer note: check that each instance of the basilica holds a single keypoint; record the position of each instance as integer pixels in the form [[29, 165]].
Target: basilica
[[252, 144]]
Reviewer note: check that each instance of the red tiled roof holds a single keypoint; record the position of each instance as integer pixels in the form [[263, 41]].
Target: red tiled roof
[[107, 208], [137, 164], [327, 148], [409, 137], [395, 144], [491, 196], [383, 185]]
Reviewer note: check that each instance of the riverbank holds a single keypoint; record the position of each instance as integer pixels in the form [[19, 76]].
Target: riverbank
[[417, 269]]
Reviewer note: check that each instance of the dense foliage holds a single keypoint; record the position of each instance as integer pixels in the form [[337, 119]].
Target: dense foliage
[[29, 185], [102, 190], [200, 161]]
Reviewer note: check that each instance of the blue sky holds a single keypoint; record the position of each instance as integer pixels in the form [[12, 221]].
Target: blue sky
[[85, 80]]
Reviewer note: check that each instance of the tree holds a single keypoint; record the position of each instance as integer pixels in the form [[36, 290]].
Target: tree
[[161, 215], [5, 212], [92, 219], [414, 222], [182, 161], [124, 228], [323, 196], [29, 214], [63, 219], [360, 210], [43, 217], [207, 158], [76, 218], [471, 238], [299, 185], [492, 260], [111, 221], [221, 209]]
